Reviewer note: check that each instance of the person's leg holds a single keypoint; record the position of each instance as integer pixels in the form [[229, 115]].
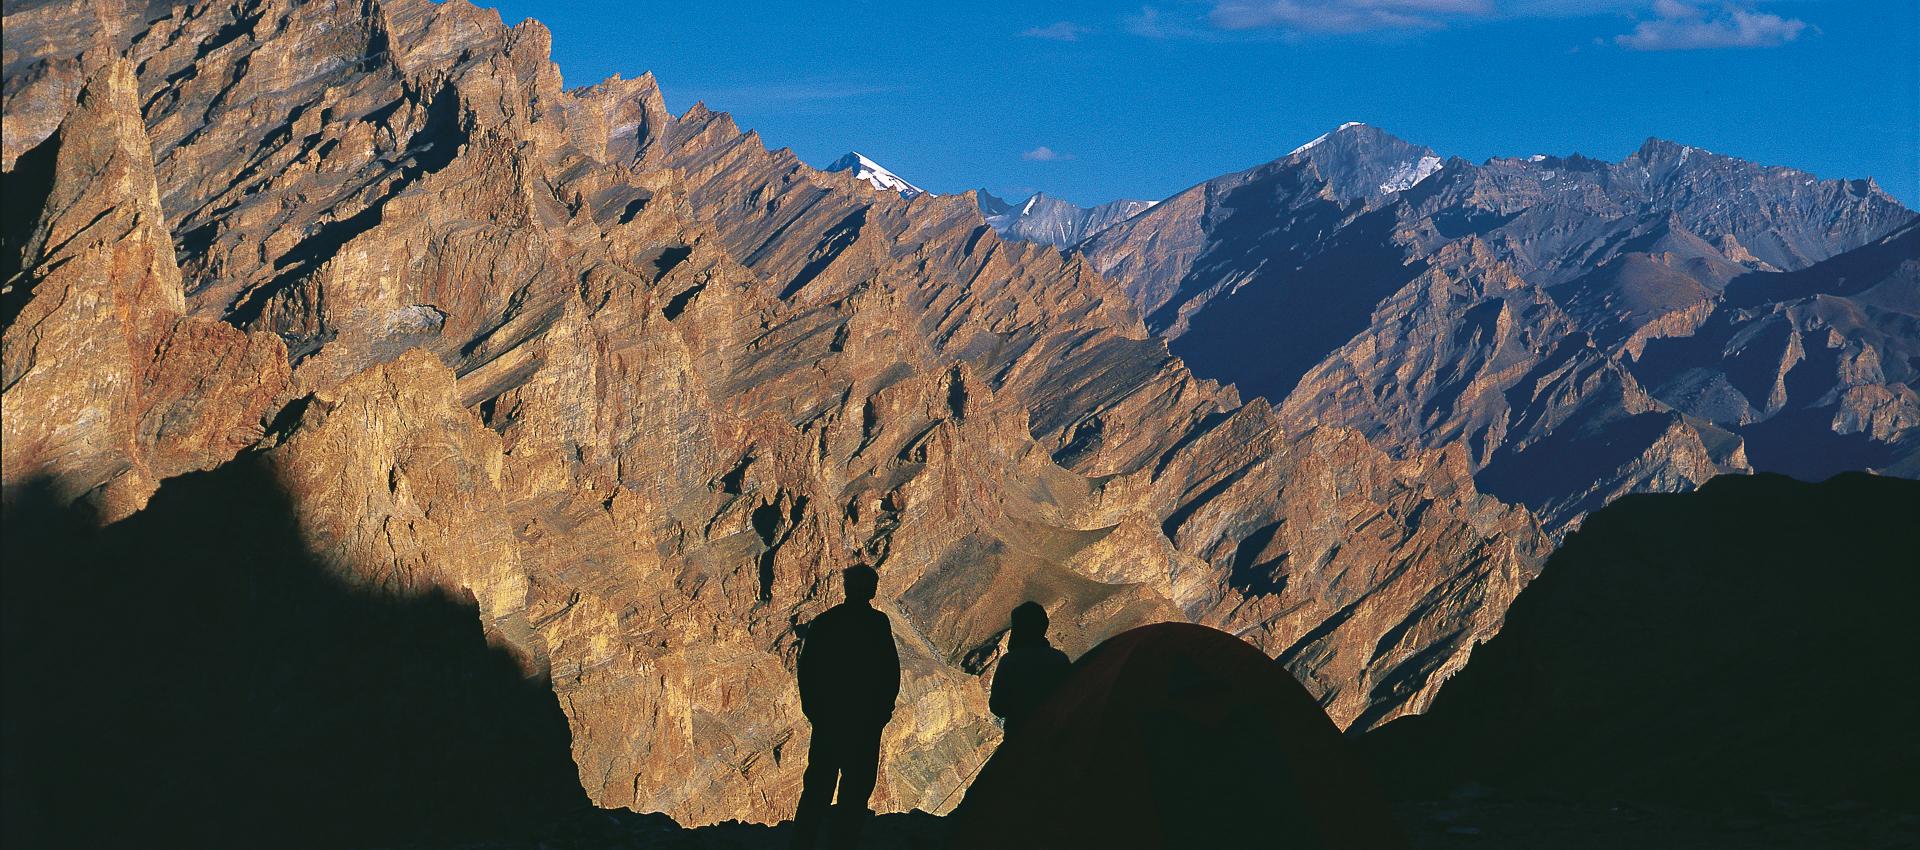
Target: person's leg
[[816, 789], [860, 769]]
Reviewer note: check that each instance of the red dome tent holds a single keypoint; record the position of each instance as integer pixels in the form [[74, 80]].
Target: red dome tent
[[1176, 735]]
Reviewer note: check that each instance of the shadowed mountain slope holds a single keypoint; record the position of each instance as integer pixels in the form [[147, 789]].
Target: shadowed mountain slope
[[1567, 320], [1817, 368], [1695, 648]]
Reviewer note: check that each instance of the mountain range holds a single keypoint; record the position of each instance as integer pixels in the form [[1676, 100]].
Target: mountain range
[[640, 387], [1585, 329], [635, 386], [1040, 218]]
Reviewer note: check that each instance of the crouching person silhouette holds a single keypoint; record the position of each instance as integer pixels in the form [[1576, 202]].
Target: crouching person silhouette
[[1029, 671], [849, 679]]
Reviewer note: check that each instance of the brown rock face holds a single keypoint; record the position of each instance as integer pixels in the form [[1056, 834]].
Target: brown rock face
[[641, 387], [401, 489], [110, 387]]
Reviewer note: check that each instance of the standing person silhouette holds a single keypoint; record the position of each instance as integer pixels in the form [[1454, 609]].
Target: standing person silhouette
[[1029, 671], [849, 679]]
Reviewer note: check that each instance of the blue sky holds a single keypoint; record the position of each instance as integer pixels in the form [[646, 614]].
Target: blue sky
[[1093, 101]]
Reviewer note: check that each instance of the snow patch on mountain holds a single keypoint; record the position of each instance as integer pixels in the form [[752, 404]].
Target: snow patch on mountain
[[1323, 137], [1309, 146], [1410, 174], [1053, 221], [876, 174]]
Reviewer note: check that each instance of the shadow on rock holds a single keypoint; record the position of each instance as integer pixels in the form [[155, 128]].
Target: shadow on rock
[[193, 676], [1749, 641]]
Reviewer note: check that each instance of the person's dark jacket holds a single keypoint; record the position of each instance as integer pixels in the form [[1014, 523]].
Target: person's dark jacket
[[849, 669], [1028, 673]]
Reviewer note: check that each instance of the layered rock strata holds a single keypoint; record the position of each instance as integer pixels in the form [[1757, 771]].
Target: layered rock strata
[[640, 386]]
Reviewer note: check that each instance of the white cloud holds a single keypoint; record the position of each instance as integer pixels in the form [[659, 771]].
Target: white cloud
[[1149, 23], [1342, 16], [1145, 22], [796, 91], [1057, 31], [1567, 8], [1675, 9], [1683, 26], [1045, 154], [1667, 24]]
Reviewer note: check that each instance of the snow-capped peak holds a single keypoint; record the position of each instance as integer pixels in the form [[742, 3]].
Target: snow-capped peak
[[876, 174], [1323, 136]]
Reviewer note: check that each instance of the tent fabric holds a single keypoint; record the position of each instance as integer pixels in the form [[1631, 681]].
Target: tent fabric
[[1176, 735]]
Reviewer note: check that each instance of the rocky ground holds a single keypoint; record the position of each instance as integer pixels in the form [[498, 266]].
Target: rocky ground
[[1472, 817], [1478, 817], [620, 829]]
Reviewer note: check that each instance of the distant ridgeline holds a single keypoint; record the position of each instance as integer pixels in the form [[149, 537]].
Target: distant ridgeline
[[1585, 329]]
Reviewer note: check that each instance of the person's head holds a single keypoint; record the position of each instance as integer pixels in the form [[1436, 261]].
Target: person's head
[[861, 583], [1029, 622]]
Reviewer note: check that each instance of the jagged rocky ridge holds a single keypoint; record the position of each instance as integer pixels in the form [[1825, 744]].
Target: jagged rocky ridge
[[1583, 329], [1052, 221], [638, 386]]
